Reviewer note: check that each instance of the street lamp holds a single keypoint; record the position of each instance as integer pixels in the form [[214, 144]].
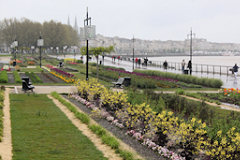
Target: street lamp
[[15, 45], [86, 25], [40, 43], [190, 62]]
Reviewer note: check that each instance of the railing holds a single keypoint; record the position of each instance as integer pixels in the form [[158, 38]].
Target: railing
[[202, 68]]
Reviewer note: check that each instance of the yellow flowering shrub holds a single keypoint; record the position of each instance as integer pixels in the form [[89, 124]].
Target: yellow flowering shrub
[[225, 147], [190, 136]]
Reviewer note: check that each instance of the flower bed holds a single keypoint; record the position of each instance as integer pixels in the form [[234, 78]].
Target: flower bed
[[209, 82], [156, 130], [65, 76]]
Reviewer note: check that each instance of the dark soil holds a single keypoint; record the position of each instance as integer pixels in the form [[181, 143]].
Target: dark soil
[[11, 78], [67, 69], [49, 78], [120, 133]]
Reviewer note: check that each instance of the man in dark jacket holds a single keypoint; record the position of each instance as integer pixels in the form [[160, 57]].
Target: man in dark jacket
[[235, 70], [189, 66]]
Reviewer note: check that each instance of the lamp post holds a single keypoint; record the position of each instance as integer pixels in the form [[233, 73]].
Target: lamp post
[[191, 34], [85, 26], [40, 43], [15, 45], [103, 53]]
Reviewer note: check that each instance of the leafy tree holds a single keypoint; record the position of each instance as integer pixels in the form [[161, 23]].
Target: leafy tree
[[96, 51]]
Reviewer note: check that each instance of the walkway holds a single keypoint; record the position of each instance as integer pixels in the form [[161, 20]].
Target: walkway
[[228, 81], [106, 150], [46, 89], [6, 144]]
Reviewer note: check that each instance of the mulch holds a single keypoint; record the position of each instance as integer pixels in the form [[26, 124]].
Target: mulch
[[120, 133], [49, 78], [10, 78]]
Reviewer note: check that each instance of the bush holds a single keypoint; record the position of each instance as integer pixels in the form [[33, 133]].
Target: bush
[[3, 77], [17, 77], [79, 61]]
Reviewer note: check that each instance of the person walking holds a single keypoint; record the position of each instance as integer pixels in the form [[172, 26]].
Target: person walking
[[183, 65], [165, 64], [190, 66], [235, 70]]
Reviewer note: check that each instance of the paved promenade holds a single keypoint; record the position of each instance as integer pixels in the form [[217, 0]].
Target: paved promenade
[[228, 81]]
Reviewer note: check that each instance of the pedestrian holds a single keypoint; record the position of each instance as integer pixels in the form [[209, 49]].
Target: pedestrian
[[189, 66], [235, 70], [165, 64], [136, 61], [139, 62], [183, 65]]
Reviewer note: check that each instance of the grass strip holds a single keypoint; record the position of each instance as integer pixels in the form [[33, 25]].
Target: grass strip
[[97, 129], [17, 77], [3, 77], [40, 130], [1, 114], [33, 77]]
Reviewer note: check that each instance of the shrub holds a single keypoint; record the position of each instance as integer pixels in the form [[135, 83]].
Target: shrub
[[3, 77], [17, 77]]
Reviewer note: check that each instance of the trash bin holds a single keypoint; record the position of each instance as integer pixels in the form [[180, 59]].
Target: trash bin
[[185, 71]]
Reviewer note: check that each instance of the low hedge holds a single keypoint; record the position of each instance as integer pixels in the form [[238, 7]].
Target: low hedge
[[208, 82], [17, 77], [3, 77]]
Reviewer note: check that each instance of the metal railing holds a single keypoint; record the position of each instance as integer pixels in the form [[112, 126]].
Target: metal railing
[[201, 68]]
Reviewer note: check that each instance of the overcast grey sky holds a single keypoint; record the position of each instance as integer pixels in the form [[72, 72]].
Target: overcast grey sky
[[215, 20]]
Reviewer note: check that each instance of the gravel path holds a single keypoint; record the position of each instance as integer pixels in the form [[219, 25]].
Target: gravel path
[[106, 150], [6, 144], [120, 133]]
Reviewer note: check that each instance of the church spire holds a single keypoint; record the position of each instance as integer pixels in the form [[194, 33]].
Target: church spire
[[76, 25], [68, 22]]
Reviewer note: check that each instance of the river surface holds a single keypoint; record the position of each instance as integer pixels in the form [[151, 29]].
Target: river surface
[[208, 60]]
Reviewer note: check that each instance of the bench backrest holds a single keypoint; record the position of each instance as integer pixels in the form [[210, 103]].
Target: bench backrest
[[120, 80], [24, 85], [127, 81]]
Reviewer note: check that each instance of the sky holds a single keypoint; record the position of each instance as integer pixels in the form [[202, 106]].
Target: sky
[[214, 20]]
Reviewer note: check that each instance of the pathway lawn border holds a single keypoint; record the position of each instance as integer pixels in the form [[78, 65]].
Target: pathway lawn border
[[105, 136], [40, 130]]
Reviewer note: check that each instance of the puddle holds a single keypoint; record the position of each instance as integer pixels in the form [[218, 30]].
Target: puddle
[[230, 105]]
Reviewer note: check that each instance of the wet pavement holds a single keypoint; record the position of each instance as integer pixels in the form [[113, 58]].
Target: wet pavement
[[229, 81]]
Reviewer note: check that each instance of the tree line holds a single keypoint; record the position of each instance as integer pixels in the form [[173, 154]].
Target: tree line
[[27, 32]]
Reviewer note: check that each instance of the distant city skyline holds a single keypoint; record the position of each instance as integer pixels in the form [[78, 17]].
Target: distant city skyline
[[215, 20]]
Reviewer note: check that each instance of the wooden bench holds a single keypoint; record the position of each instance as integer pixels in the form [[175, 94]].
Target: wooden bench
[[122, 81]]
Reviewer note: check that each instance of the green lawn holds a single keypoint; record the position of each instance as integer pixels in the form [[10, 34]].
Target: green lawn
[[25, 69], [40, 131]]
